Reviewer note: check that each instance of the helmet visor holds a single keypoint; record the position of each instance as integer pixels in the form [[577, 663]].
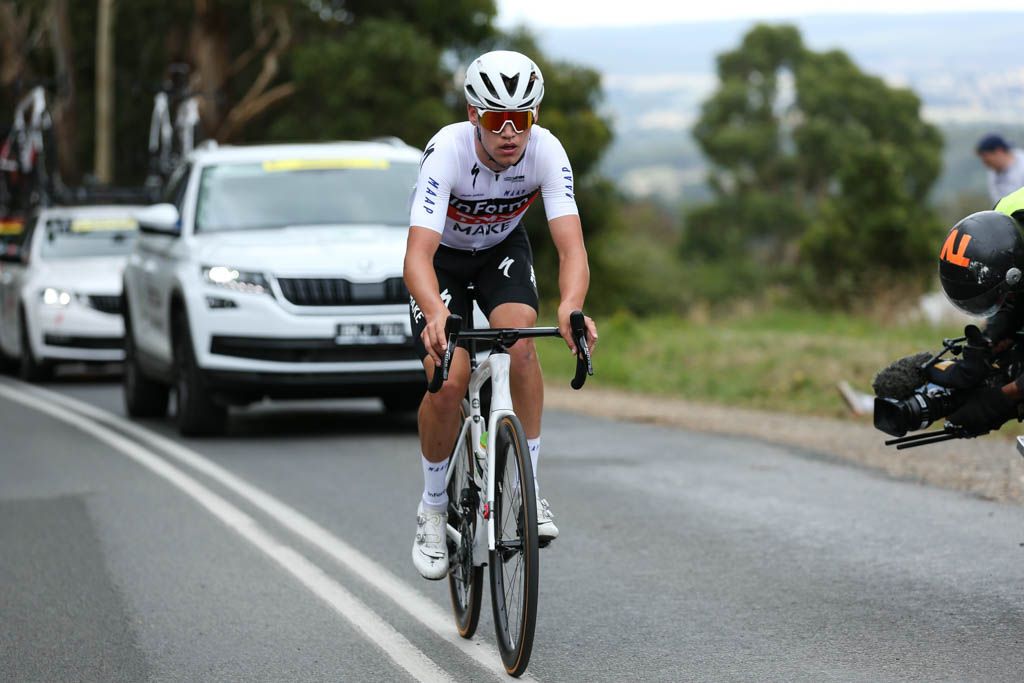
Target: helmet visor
[[495, 121], [984, 304]]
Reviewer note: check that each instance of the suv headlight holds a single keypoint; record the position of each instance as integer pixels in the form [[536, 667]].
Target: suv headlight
[[237, 280], [52, 296]]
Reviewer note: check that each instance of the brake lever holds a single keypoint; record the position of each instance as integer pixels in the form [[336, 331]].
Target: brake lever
[[452, 326], [584, 362]]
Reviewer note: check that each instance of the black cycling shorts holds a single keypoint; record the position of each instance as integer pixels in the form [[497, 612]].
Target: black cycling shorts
[[500, 275]]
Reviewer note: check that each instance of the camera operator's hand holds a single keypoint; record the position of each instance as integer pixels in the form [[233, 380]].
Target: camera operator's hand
[[985, 410]]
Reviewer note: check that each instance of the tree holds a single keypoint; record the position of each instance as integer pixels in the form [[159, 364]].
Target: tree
[[816, 165]]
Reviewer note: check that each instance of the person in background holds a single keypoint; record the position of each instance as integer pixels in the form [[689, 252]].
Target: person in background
[[1005, 165]]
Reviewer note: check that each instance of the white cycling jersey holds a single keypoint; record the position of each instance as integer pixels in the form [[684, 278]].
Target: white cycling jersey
[[475, 208]]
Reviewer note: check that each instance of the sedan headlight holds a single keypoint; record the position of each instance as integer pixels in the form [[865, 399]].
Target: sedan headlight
[[237, 280], [52, 296]]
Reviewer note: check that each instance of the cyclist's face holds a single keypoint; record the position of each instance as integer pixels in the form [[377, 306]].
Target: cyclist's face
[[505, 146]]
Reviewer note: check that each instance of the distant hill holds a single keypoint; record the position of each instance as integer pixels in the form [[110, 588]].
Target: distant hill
[[967, 67]]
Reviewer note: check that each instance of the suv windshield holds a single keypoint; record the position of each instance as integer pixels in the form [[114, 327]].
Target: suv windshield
[[275, 194], [94, 236]]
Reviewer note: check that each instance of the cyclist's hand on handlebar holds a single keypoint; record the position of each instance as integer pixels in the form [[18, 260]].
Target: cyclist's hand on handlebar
[[564, 312], [434, 338]]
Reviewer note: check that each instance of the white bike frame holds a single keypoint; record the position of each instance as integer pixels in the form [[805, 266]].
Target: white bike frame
[[496, 369]]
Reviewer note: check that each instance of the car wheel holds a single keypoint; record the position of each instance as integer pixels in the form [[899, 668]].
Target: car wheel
[[143, 397], [29, 368], [198, 413]]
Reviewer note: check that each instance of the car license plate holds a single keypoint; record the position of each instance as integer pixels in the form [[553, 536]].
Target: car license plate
[[370, 333]]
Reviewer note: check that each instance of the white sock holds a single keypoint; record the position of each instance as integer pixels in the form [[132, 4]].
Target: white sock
[[534, 446], [435, 494]]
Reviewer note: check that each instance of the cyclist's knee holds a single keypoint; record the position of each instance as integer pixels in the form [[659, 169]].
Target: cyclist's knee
[[448, 398], [523, 352]]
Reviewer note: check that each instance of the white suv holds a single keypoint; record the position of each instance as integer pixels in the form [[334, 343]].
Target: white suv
[[272, 271]]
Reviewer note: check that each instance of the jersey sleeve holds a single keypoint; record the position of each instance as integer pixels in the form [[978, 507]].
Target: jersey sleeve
[[433, 185], [556, 180]]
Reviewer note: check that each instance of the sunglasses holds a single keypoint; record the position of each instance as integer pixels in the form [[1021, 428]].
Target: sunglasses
[[495, 121]]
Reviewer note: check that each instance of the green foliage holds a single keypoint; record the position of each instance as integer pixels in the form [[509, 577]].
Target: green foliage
[[343, 94], [817, 166]]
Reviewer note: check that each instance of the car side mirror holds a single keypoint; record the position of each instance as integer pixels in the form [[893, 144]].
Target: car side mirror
[[160, 219]]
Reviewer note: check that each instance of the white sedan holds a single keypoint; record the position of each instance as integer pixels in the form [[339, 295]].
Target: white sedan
[[60, 288]]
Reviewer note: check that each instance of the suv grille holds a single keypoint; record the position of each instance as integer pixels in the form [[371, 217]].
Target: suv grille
[[341, 292], [106, 303]]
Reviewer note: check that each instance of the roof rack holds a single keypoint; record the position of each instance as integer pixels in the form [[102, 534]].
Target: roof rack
[[392, 140]]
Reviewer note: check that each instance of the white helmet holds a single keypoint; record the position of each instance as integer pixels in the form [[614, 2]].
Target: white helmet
[[504, 81]]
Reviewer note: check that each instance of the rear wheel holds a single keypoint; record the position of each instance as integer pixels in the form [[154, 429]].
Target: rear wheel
[[198, 414], [143, 397], [465, 580], [29, 368], [514, 567]]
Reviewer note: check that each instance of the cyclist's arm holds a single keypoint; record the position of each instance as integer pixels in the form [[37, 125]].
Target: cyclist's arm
[[421, 281], [573, 274]]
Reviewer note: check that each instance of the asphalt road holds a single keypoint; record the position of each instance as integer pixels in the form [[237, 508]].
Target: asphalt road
[[281, 552]]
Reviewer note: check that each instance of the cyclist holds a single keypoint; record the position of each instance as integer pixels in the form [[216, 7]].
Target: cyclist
[[477, 178]]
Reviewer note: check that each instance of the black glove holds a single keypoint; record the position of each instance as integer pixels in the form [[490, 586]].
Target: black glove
[[985, 410]]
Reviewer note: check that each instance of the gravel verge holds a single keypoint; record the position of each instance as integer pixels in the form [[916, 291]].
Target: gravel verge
[[988, 467]]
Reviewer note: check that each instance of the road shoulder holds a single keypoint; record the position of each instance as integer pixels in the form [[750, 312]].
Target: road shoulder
[[988, 467]]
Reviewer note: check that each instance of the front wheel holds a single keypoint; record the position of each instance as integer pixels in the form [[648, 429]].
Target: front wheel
[[198, 413], [30, 369], [465, 579], [514, 567], [143, 397]]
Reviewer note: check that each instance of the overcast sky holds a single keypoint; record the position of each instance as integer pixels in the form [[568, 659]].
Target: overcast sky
[[540, 14]]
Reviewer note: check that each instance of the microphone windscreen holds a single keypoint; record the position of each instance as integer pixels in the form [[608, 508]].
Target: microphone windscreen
[[902, 377]]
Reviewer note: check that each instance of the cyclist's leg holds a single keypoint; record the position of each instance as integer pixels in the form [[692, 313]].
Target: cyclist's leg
[[527, 382], [438, 427], [507, 292]]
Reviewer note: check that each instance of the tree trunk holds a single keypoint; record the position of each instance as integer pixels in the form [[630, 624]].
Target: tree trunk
[[65, 108], [104, 159]]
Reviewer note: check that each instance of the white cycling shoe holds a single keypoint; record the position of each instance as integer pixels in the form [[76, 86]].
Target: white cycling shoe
[[430, 547], [546, 529]]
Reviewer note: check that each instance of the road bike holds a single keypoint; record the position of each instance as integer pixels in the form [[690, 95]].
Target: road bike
[[491, 495]]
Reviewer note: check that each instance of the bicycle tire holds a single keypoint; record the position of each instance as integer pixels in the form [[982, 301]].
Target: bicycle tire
[[514, 563], [465, 581]]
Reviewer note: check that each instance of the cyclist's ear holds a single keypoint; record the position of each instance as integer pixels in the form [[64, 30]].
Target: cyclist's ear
[[472, 113]]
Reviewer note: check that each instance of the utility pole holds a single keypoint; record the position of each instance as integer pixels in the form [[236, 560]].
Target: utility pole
[[104, 158]]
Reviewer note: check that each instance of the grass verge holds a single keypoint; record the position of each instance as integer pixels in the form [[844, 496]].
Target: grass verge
[[778, 360]]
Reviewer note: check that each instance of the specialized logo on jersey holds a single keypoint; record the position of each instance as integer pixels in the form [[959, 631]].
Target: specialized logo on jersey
[[475, 171], [426, 153], [505, 265], [489, 210]]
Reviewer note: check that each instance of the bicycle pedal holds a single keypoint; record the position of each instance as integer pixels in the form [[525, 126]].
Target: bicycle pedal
[[544, 542]]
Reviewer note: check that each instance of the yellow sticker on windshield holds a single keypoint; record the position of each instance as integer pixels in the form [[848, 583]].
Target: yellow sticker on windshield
[[99, 224], [324, 164], [12, 227]]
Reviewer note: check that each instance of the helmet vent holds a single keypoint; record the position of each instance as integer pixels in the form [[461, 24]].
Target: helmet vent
[[490, 86], [510, 83], [529, 84]]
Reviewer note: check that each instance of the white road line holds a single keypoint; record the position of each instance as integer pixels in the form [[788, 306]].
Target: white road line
[[410, 600], [381, 633]]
